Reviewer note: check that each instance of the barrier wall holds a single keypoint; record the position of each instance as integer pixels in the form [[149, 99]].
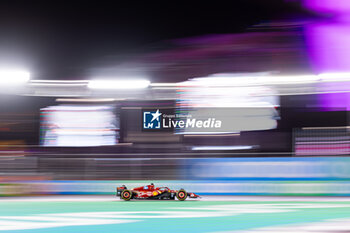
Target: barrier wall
[[222, 176], [269, 169]]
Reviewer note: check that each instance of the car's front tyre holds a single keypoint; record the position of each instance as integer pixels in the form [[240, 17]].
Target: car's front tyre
[[126, 195], [181, 195]]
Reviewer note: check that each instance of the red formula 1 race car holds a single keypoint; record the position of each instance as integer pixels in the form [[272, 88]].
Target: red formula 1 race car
[[155, 193]]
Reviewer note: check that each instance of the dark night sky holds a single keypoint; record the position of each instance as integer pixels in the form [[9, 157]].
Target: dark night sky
[[61, 39]]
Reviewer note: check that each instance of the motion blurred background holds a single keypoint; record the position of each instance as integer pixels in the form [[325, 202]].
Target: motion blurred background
[[77, 79]]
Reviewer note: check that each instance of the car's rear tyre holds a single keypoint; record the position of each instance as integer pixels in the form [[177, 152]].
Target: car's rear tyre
[[181, 195], [126, 195]]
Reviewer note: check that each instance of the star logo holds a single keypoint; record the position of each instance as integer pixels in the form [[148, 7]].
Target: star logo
[[151, 119], [156, 115]]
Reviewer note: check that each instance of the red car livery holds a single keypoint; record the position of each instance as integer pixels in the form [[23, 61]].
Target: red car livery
[[152, 192]]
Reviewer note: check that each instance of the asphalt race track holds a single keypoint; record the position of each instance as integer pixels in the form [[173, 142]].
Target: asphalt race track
[[91, 214]]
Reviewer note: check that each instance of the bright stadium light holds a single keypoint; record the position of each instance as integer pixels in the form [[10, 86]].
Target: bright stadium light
[[295, 79], [258, 80], [222, 147], [336, 77], [119, 84], [13, 77]]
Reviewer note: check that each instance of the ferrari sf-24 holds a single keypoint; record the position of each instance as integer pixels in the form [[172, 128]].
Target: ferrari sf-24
[[152, 192]]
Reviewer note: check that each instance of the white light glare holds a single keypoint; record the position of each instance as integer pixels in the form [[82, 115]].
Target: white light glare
[[119, 84], [251, 80], [298, 79], [8, 77], [326, 77], [222, 147]]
